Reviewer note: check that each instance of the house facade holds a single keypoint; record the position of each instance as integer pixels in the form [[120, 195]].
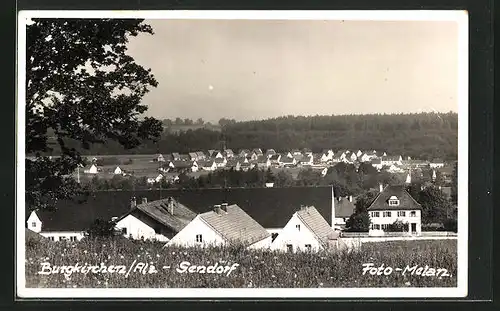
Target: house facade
[[391, 160], [392, 204], [224, 225], [306, 231], [157, 220], [35, 224]]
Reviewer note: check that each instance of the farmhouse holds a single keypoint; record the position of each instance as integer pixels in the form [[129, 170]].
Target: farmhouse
[[436, 163], [224, 225], [154, 179], [306, 231], [342, 209], [270, 153], [390, 160], [391, 204], [179, 166], [118, 171], [92, 170], [72, 218], [208, 165], [158, 220]]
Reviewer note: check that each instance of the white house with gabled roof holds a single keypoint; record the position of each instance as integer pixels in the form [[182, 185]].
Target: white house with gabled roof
[[307, 231], [224, 225]]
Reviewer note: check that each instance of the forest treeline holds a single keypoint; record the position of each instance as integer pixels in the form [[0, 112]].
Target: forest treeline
[[423, 135]]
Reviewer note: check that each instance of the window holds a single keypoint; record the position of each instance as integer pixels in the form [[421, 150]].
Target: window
[[51, 238], [308, 247], [401, 214], [298, 227], [199, 238], [289, 248], [376, 227], [413, 214], [385, 226], [393, 201], [274, 236], [375, 214], [72, 238], [33, 224], [386, 214]]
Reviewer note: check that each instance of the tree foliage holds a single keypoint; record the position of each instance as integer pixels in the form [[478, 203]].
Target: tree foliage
[[82, 89], [360, 220]]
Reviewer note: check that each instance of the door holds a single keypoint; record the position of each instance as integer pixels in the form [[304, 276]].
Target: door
[[413, 228]]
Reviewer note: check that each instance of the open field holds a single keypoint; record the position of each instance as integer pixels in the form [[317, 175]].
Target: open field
[[255, 268]]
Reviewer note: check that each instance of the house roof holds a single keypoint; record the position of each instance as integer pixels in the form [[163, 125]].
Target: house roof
[[205, 163], [79, 216], [200, 153], [219, 160], [262, 159], [235, 225], [193, 155], [270, 151], [376, 161], [406, 201], [270, 207], [182, 164], [391, 158], [274, 157], [286, 160], [317, 224], [159, 211], [343, 207]]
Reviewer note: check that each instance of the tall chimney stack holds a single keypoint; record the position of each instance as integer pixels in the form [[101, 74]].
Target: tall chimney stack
[[224, 207], [133, 202], [381, 187], [170, 205], [144, 200], [217, 209]]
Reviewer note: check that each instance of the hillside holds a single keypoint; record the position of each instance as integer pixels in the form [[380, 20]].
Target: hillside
[[423, 135]]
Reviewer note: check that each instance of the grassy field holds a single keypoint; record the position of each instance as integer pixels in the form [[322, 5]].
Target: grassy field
[[259, 269]]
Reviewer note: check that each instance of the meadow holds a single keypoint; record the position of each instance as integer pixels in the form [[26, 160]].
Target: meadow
[[255, 269]]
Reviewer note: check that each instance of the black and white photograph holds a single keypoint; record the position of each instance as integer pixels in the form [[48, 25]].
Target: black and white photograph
[[248, 154]]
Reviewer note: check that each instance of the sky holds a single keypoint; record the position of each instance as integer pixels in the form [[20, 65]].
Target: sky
[[258, 69]]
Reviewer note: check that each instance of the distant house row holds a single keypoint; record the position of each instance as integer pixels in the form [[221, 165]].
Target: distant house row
[[296, 228]]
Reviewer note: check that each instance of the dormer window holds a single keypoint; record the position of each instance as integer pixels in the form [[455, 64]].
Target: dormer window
[[33, 224], [393, 201]]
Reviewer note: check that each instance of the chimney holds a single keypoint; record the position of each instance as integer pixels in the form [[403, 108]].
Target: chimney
[[381, 187], [144, 200], [217, 209], [133, 202], [350, 198], [170, 205], [224, 207]]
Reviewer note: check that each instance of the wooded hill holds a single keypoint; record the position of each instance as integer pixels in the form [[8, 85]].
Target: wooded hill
[[422, 135]]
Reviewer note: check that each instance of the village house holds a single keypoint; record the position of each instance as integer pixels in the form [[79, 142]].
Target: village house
[[160, 158], [377, 163], [340, 156], [224, 225], [253, 156], [91, 170], [258, 151], [171, 177], [228, 153], [342, 209], [263, 162], [193, 156], [176, 156], [391, 204], [158, 220], [359, 153], [151, 179], [275, 159], [287, 162], [220, 162], [436, 163], [71, 219], [306, 231], [233, 163], [245, 166], [270, 153], [390, 160], [184, 157], [183, 166], [118, 171], [326, 156], [207, 165], [368, 156], [307, 152], [307, 160], [201, 155], [244, 153]]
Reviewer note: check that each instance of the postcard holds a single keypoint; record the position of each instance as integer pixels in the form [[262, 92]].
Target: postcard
[[262, 154]]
